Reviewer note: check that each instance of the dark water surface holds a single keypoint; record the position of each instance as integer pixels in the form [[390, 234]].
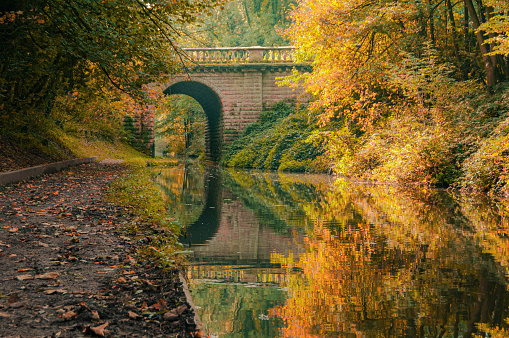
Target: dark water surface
[[295, 255]]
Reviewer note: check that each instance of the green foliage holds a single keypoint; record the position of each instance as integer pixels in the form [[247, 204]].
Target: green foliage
[[52, 48], [487, 169], [242, 23], [180, 124], [498, 26], [280, 140]]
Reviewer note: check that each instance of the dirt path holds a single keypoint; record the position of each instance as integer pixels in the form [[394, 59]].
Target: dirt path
[[66, 270]]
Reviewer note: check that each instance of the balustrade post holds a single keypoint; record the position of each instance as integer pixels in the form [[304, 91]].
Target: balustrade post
[[256, 55]]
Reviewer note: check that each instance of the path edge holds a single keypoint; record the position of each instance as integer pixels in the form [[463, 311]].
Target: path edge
[[24, 174], [189, 299]]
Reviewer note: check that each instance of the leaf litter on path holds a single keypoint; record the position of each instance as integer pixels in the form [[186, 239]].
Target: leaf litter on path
[[80, 229]]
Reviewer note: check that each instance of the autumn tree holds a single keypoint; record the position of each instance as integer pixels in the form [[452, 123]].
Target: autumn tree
[[50, 48], [356, 45]]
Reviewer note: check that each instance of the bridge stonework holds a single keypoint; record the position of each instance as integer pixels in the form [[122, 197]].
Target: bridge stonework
[[233, 85]]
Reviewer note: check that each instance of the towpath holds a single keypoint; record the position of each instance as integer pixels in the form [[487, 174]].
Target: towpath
[[68, 269]]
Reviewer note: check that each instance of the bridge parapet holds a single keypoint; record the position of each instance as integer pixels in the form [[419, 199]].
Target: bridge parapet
[[237, 55]]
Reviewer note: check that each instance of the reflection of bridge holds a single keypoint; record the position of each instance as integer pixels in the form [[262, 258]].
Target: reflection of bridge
[[232, 85], [241, 239], [230, 233]]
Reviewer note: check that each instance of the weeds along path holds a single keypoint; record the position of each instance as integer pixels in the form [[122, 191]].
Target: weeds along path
[[67, 269]]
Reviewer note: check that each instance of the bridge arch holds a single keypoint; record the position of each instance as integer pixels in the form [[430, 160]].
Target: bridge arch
[[233, 85], [212, 105]]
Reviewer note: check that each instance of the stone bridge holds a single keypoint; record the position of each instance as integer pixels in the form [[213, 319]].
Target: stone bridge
[[232, 85]]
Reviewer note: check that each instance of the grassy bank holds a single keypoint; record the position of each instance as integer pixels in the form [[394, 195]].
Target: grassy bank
[[151, 226], [33, 142]]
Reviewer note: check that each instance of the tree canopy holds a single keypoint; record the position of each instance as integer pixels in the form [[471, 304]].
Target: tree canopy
[[242, 23], [357, 45], [54, 47]]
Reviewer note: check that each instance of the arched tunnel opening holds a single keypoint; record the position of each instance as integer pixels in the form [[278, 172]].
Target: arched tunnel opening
[[213, 108]]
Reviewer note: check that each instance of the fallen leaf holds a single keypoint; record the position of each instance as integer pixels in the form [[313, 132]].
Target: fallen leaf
[[151, 285], [47, 275], [121, 280], [132, 315], [171, 316], [43, 244], [83, 305], [13, 298], [100, 330], [175, 313], [23, 270], [95, 314], [17, 305], [24, 277], [52, 291], [180, 310], [69, 314], [130, 260], [161, 304], [4, 314]]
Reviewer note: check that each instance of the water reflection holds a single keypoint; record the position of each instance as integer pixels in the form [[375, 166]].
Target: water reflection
[[299, 256]]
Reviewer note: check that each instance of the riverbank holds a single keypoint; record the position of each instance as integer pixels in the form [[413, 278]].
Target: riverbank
[[69, 263]]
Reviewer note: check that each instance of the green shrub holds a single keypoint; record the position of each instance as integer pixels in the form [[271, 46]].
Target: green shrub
[[487, 169], [279, 140]]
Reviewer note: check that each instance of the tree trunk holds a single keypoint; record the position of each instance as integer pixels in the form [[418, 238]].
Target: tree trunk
[[491, 78], [431, 24], [453, 27]]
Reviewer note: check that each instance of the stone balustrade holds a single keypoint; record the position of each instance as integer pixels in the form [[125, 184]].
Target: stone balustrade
[[241, 54]]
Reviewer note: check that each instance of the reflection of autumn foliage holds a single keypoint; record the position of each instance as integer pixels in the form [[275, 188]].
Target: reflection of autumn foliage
[[394, 263], [381, 261], [491, 222], [341, 282]]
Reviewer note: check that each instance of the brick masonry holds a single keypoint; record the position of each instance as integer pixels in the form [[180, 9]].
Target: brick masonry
[[232, 96]]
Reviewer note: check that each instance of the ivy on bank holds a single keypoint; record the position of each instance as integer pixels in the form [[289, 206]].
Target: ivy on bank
[[279, 140]]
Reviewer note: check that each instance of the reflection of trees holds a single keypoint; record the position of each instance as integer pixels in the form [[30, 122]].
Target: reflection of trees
[[490, 219], [182, 190], [237, 311], [280, 200], [379, 262], [396, 266]]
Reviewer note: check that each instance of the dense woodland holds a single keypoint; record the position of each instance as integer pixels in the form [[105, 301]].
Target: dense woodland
[[413, 92]]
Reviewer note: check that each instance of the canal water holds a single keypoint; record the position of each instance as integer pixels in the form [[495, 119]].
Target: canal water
[[296, 255]]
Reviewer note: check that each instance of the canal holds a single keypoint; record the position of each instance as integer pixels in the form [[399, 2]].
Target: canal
[[298, 255]]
